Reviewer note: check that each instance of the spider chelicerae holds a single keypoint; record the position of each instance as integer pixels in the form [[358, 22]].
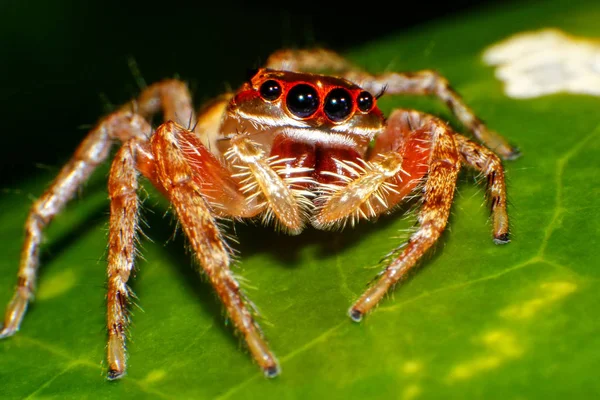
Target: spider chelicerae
[[291, 148]]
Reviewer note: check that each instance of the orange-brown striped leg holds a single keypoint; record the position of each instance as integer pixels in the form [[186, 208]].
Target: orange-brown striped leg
[[198, 222], [91, 152], [122, 190], [489, 164], [273, 193], [429, 82], [170, 96], [358, 194], [398, 162], [438, 193], [308, 60]]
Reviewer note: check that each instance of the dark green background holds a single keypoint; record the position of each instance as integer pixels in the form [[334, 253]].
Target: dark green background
[[64, 62]]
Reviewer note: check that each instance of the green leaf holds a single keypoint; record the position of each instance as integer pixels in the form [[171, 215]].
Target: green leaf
[[476, 321]]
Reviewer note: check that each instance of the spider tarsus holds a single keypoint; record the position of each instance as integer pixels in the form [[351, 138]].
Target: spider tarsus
[[513, 155], [14, 315], [355, 315], [272, 371], [4, 333], [114, 375], [502, 239]]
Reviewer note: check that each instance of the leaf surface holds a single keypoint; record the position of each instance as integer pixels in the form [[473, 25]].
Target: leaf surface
[[476, 321]]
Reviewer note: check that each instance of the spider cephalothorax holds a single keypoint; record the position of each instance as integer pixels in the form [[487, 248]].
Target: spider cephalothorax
[[291, 148]]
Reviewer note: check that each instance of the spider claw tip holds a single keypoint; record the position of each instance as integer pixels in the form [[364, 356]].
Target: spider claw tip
[[7, 331], [114, 375], [355, 315], [513, 155], [502, 239], [272, 371]]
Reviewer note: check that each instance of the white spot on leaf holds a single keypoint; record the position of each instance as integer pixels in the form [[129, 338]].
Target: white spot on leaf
[[533, 64]]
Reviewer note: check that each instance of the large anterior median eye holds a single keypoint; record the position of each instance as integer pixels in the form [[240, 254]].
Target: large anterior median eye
[[338, 105], [302, 100]]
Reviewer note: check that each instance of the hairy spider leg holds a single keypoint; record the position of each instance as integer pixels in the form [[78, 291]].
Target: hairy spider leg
[[309, 60], [438, 191], [170, 96], [489, 164], [197, 173], [91, 152], [122, 236], [176, 176], [396, 165], [425, 82], [430, 82], [270, 182]]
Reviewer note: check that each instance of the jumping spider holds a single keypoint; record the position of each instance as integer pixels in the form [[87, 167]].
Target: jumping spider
[[290, 147]]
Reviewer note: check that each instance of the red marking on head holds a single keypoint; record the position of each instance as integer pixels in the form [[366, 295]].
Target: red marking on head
[[245, 93], [310, 97]]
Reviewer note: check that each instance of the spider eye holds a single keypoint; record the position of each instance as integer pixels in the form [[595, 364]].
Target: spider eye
[[338, 105], [302, 100], [364, 101], [270, 90]]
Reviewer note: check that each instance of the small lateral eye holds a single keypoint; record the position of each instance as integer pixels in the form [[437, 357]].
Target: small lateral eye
[[338, 105], [364, 101], [270, 90], [302, 100]]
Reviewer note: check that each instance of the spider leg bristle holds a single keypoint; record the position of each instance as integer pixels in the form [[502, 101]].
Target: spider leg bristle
[[275, 161], [352, 168], [252, 186], [361, 165], [301, 180], [341, 177], [243, 170], [267, 216], [243, 281], [361, 213], [142, 223], [387, 187], [380, 199], [254, 124], [369, 208], [255, 195], [381, 91], [136, 73]]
